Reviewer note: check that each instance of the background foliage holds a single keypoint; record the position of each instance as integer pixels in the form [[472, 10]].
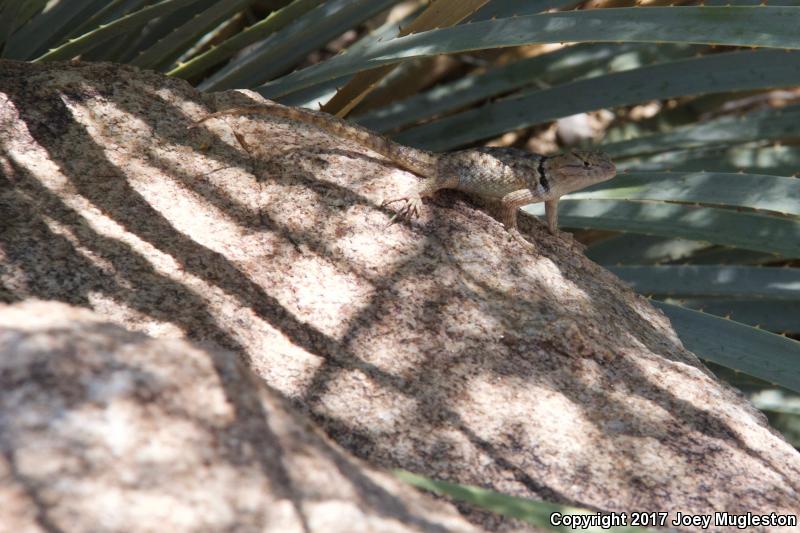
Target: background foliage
[[698, 104]]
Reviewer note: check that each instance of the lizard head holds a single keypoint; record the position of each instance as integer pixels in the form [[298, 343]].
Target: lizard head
[[578, 169]]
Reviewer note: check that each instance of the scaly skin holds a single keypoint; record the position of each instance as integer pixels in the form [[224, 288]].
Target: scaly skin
[[512, 177]]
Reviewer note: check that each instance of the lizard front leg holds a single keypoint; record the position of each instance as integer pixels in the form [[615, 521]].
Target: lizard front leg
[[551, 213], [511, 203], [514, 200]]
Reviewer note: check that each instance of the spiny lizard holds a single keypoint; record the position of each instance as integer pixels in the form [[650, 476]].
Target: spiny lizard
[[511, 176]]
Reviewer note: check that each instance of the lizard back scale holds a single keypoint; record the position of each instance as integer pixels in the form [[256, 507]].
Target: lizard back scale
[[511, 176]]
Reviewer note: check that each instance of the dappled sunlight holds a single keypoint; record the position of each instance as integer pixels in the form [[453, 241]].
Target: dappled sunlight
[[791, 286], [386, 412], [713, 280], [781, 160], [441, 343], [477, 261], [342, 297], [220, 211], [715, 134], [753, 191], [107, 420], [22, 150], [691, 393], [560, 286], [636, 249], [114, 159], [645, 310], [747, 230], [107, 305], [555, 423], [556, 63], [175, 200], [525, 404]]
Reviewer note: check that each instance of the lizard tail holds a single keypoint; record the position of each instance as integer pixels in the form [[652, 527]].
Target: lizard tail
[[418, 161]]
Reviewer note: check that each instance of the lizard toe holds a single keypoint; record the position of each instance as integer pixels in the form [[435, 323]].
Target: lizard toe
[[525, 243], [389, 201], [410, 209]]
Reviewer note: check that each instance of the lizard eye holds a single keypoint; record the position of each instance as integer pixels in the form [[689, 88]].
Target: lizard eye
[[586, 164]]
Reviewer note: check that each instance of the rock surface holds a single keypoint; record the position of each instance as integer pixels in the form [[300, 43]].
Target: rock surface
[[438, 346], [103, 429]]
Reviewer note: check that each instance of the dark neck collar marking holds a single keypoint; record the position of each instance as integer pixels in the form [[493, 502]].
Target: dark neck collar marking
[[543, 174]]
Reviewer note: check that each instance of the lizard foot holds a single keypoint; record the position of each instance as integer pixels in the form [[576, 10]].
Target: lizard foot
[[517, 236], [409, 210], [569, 238]]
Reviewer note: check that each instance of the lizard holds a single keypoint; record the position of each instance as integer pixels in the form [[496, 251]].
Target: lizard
[[511, 176]]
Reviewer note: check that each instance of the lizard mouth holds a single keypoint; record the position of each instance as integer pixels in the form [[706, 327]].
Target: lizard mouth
[[607, 170]]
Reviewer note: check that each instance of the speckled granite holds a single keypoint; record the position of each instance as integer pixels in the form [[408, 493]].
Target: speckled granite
[[103, 429], [439, 346]]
